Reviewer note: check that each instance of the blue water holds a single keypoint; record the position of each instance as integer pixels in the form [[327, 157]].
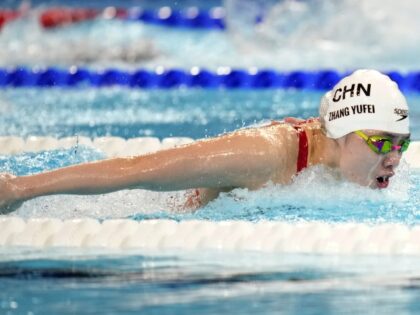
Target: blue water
[[76, 281], [83, 282], [131, 113]]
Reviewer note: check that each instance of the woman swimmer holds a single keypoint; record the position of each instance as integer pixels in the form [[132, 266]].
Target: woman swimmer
[[362, 131]]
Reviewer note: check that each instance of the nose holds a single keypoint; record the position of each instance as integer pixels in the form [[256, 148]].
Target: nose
[[392, 159]]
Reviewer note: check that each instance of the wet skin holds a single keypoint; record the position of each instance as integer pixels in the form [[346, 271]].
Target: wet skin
[[247, 158], [362, 165]]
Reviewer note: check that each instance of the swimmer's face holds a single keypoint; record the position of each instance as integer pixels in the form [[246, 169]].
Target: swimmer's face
[[360, 164]]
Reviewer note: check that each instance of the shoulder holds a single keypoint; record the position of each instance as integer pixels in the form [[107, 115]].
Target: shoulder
[[274, 132]]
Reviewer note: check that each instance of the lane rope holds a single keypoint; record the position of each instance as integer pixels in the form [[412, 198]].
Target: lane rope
[[119, 147], [7, 16], [191, 17], [263, 236], [162, 78]]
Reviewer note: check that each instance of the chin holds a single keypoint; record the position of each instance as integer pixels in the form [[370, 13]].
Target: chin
[[365, 183]]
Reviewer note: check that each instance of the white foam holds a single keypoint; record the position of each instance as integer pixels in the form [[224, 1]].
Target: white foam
[[317, 34]]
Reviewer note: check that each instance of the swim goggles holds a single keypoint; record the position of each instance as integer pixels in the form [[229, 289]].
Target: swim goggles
[[383, 144]]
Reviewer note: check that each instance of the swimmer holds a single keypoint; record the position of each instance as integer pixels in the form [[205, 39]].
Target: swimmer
[[362, 131]]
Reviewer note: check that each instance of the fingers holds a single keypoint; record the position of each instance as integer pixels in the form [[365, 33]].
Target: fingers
[[11, 207], [8, 202]]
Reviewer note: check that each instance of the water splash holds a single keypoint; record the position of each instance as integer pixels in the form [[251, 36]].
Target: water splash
[[318, 33], [25, 42], [291, 34], [35, 162], [320, 194], [317, 193]]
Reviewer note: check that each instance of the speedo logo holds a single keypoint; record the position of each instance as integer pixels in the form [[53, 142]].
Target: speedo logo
[[401, 112], [340, 93]]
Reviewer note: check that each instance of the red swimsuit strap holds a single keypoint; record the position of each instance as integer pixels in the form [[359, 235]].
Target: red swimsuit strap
[[302, 160]]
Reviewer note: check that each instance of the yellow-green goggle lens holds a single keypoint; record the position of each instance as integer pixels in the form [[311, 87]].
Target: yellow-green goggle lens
[[404, 145], [383, 145]]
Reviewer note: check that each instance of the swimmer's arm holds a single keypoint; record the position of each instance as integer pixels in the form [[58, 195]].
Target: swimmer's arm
[[242, 159]]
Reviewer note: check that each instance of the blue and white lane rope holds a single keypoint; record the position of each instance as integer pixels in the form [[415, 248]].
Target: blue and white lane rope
[[191, 17], [161, 78]]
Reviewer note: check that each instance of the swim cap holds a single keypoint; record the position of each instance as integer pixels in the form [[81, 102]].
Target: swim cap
[[366, 99]]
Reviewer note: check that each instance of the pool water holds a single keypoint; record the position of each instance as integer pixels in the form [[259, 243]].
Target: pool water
[[292, 35], [197, 114], [77, 281], [132, 113]]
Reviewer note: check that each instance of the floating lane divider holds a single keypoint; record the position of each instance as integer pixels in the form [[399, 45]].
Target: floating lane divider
[[7, 16], [264, 236], [191, 17], [120, 147], [162, 78]]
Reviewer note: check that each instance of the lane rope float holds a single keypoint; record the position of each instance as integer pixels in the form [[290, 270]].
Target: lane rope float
[[191, 17], [263, 236], [196, 77]]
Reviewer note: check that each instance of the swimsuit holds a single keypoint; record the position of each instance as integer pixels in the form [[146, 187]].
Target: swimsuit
[[302, 160]]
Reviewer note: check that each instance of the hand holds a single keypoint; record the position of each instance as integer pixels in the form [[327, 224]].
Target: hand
[[8, 195]]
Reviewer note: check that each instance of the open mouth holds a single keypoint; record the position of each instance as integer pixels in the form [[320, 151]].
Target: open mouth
[[382, 181]]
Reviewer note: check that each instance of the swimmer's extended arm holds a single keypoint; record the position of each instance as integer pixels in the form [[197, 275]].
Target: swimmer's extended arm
[[245, 158]]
